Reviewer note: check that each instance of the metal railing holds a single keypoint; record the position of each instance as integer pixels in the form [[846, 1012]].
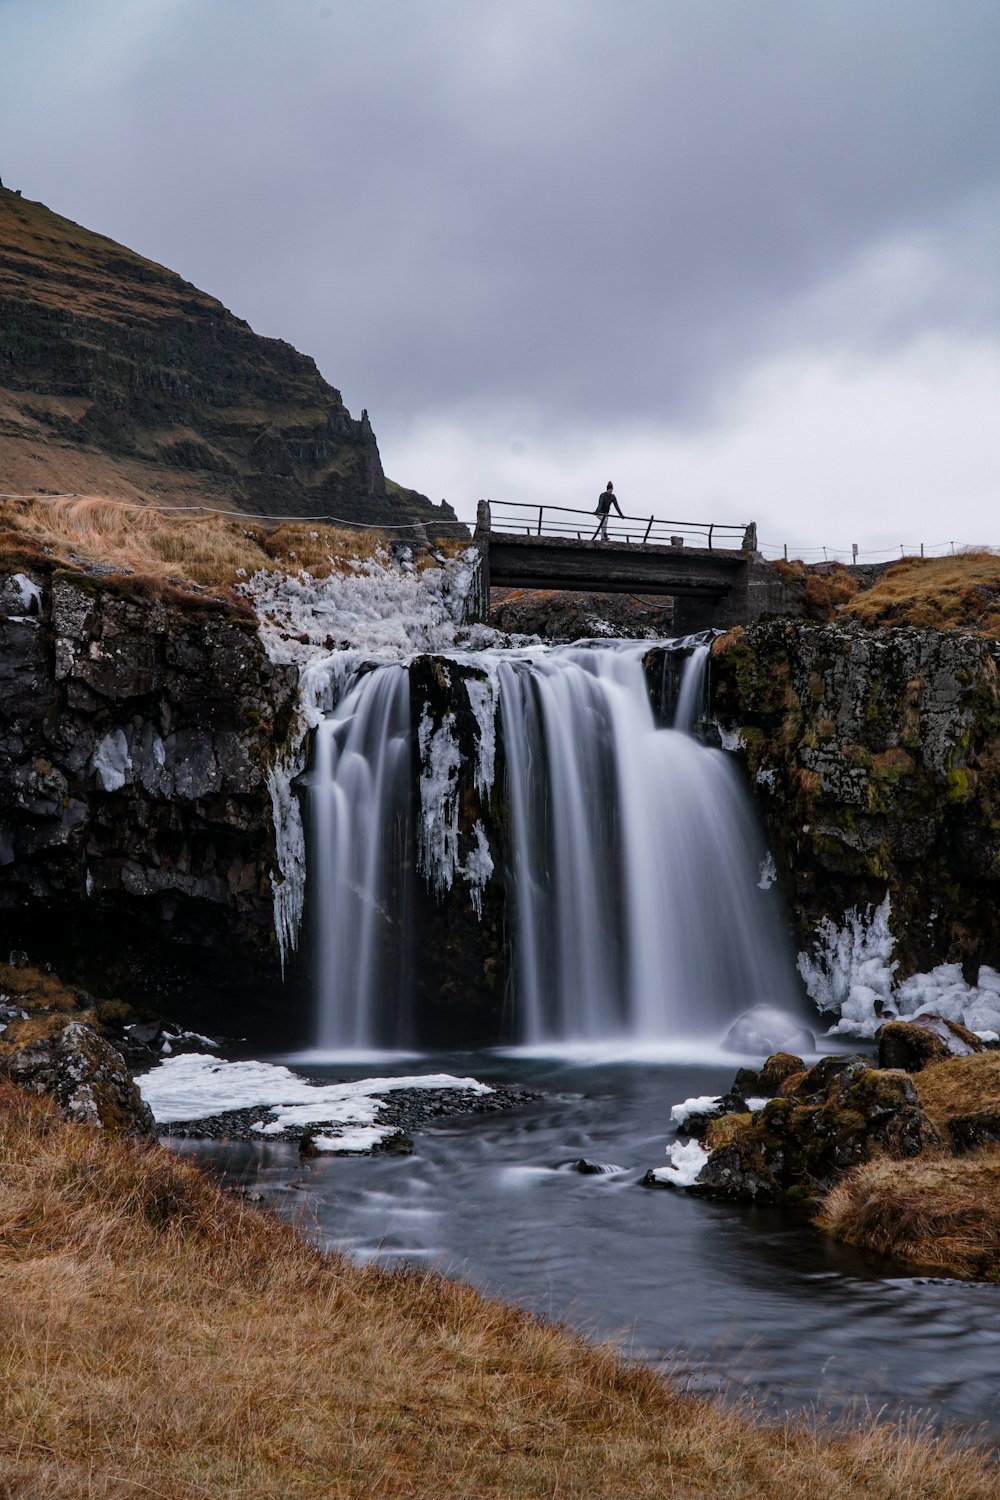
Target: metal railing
[[519, 518]]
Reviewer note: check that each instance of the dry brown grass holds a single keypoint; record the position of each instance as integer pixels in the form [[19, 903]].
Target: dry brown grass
[[937, 1211], [959, 1086], [158, 547], [945, 593], [36, 989], [159, 1338]]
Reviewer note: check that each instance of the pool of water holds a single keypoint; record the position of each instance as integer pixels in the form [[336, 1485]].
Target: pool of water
[[740, 1299]]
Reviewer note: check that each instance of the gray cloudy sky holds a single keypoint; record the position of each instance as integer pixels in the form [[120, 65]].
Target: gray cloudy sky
[[741, 256]]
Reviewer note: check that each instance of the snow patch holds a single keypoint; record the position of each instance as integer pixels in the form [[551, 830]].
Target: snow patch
[[197, 1084], [111, 761], [730, 739], [29, 594], [700, 1104], [768, 872], [685, 1161]]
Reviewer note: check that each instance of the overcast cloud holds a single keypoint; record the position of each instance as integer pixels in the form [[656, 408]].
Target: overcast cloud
[[742, 256]]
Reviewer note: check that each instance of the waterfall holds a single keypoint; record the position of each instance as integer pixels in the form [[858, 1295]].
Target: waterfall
[[632, 869], [361, 838]]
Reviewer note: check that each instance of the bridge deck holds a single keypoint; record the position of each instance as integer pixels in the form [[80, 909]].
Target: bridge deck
[[546, 562]]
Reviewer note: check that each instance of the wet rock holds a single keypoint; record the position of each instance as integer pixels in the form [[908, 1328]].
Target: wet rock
[[911, 1045], [85, 1075], [593, 1168], [838, 1113], [136, 821], [874, 757], [969, 1132], [764, 1083]]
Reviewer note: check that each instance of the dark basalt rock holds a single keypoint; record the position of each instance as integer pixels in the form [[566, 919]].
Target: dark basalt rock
[[136, 826], [765, 1083], [86, 1077], [874, 758], [969, 1132], [911, 1045], [836, 1114]]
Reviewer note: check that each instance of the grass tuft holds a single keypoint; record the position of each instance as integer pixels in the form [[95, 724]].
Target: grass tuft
[[935, 1211]]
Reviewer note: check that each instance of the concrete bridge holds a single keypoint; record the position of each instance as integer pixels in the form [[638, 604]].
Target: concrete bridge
[[713, 572]]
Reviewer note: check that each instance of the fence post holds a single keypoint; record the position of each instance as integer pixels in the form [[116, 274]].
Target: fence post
[[540, 509], [646, 537], [711, 528]]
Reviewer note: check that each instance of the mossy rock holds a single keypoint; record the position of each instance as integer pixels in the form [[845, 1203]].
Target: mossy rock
[[835, 1115], [84, 1074]]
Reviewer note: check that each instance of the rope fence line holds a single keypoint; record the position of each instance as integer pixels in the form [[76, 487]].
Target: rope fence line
[[240, 515]]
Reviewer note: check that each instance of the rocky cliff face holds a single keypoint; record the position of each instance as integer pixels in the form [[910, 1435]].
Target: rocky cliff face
[[118, 377], [136, 829], [875, 759]]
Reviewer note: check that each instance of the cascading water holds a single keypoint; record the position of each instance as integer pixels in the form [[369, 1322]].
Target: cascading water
[[360, 852], [633, 861], [636, 859]]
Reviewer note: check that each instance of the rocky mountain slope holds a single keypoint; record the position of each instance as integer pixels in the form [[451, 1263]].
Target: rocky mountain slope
[[119, 378]]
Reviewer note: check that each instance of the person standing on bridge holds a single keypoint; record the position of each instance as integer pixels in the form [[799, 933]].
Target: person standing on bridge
[[605, 500]]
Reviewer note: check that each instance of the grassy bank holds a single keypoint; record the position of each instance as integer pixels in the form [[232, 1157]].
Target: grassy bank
[[162, 1339], [938, 1210], [179, 548]]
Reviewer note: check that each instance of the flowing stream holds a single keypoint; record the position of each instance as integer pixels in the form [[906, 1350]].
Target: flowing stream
[[745, 1300]]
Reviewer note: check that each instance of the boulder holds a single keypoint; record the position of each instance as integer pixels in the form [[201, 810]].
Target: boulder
[[86, 1077], [838, 1113], [765, 1029], [911, 1045]]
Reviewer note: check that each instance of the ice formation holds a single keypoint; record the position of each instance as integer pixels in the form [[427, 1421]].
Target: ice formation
[[289, 883], [437, 836], [851, 971], [378, 608], [483, 700]]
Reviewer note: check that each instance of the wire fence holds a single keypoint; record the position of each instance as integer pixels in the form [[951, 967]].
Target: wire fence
[[848, 555]]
